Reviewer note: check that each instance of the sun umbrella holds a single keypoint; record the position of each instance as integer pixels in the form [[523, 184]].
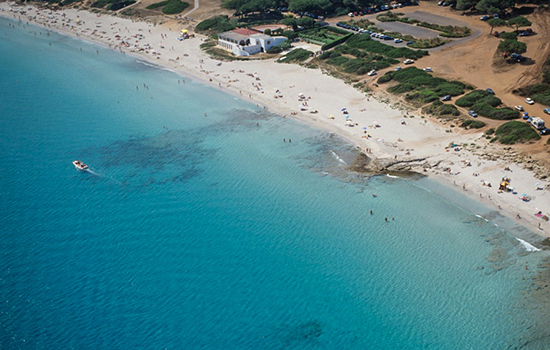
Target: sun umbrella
[[184, 31], [343, 109], [364, 128]]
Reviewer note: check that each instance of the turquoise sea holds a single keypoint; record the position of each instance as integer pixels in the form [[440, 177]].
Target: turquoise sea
[[194, 232]]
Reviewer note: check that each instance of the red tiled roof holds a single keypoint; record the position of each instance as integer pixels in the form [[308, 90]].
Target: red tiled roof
[[245, 31]]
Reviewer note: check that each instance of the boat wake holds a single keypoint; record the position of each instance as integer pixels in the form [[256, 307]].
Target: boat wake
[[338, 158], [528, 246]]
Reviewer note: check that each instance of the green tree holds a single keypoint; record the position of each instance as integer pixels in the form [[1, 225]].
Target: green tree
[[512, 46], [494, 6], [291, 22], [495, 22], [249, 6], [519, 21], [306, 22], [318, 6], [464, 5]]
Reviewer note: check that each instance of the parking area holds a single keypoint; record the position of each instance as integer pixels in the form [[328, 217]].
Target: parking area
[[407, 29], [431, 18]]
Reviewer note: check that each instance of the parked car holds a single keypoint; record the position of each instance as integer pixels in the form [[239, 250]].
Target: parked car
[[472, 113], [410, 42], [408, 61], [397, 41], [546, 110], [397, 68], [484, 18], [428, 69], [529, 101], [350, 14], [517, 57], [519, 108], [490, 91], [446, 98], [544, 131], [371, 73], [525, 116]]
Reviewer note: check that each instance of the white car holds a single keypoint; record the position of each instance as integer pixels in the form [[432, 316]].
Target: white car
[[529, 101], [519, 108], [428, 69], [408, 61], [397, 68], [371, 73]]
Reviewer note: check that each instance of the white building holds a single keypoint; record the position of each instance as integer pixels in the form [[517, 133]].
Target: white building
[[246, 42]]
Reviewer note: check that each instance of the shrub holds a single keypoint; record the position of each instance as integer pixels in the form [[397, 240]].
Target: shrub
[[508, 36], [515, 131], [446, 109], [174, 6], [157, 5], [384, 79], [336, 42], [504, 114], [428, 96], [215, 24], [401, 88], [119, 5], [275, 49], [512, 46], [290, 34], [297, 55], [471, 98], [449, 89], [472, 124]]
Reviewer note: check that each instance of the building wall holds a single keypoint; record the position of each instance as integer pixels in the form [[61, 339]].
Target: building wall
[[256, 45]]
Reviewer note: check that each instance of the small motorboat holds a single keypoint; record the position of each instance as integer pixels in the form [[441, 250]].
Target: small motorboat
[[79, 165]]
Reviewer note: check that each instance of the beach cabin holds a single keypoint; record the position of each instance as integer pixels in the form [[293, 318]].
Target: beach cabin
[[246, 42]]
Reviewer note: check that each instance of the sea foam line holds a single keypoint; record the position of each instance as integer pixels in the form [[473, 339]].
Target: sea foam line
[[529, 247], [338, 158]]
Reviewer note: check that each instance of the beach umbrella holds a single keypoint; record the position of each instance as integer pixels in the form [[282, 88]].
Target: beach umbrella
[[347, 117], [184, 31], [343, 109], [364, 128]]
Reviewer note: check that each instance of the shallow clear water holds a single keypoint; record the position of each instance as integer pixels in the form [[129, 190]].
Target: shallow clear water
[[194, 232]]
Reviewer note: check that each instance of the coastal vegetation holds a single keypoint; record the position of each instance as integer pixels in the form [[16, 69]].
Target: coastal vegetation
[[112, 5], [296, 55], [360, 54], [484, 103], [473, 124], [442, 110], [169, 7], [514, 132], [215, 25], [539, 92], [421, 86], [354, 61]]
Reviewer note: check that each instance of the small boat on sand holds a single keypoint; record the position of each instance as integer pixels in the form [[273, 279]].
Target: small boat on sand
[[79, 165]]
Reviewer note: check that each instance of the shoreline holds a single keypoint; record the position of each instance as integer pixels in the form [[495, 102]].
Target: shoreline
[[419, 143]]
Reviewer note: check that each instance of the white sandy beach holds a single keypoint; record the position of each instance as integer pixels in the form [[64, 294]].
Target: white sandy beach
[[468, 167]]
